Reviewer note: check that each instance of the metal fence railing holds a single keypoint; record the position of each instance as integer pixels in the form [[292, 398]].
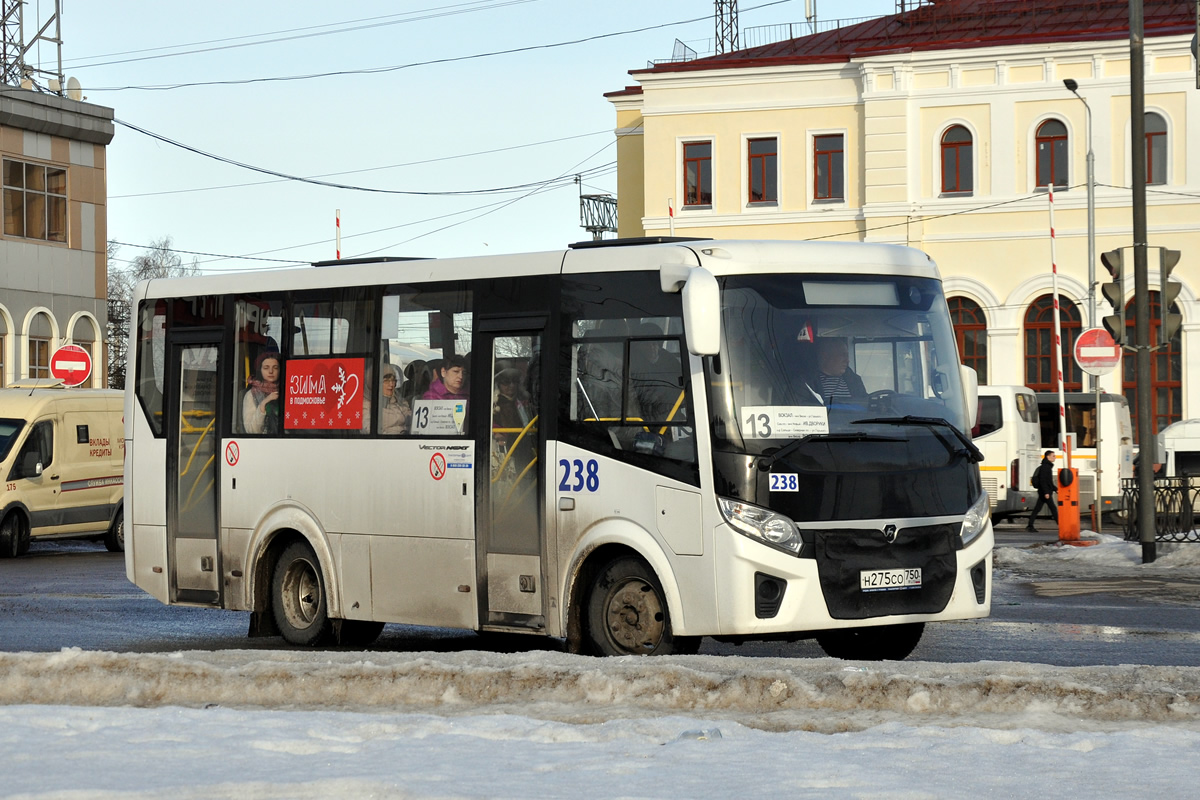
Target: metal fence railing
[[1176, 509]]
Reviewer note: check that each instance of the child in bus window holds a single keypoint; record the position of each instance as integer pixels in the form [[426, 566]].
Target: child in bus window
[[260, 406]]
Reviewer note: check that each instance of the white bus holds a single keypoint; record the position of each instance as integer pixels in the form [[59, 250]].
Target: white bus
[[1008, 433], [1115, 437], [618, 445]]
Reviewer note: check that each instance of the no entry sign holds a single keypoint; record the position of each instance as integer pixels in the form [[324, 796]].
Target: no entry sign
[[1096, 353], [71, 364]]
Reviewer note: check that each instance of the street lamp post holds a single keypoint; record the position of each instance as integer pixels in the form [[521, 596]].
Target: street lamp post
[[1073, 88]]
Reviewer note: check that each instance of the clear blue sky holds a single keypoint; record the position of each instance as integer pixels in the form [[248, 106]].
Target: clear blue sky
[[412, 129]]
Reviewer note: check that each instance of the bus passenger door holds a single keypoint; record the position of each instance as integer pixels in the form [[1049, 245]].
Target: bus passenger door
[[510, 451], [192, 479]]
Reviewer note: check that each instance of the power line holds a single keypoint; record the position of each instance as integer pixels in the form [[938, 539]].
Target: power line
[[397, 67], [366, 169], [487, 5], [331, 185]]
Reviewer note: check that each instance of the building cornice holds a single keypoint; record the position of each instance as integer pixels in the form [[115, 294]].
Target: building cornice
[[55, 116]]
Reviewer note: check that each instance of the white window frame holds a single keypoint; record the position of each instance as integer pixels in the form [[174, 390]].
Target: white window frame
[[764, 205], [680, 141], [810, 147], [1170, 146], [1031, 150], [937, 160]]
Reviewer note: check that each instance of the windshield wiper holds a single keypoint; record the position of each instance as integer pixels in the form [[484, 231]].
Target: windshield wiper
[[794, 445], [969, 448]]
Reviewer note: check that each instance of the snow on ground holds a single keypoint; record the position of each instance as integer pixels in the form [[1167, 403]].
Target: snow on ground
[[301, 724]]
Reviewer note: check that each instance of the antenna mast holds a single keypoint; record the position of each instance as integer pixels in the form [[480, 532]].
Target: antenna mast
[[727, 26], [597, 212], [16, 68]]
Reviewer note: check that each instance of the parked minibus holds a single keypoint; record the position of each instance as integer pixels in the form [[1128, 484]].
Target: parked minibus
[[61, 455], [1114, 438], [1009, 435]]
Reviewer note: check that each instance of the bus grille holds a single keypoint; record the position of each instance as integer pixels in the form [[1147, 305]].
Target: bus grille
[[843, 554]]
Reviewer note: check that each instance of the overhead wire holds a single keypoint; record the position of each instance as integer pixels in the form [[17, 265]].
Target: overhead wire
[[411, 65]]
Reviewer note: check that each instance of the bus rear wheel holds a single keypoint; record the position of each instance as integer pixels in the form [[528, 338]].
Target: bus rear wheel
[[881, 643], [298, 597], [627, 613]]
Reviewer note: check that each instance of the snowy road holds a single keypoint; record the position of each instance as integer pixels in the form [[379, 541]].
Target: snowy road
[[230, 722]]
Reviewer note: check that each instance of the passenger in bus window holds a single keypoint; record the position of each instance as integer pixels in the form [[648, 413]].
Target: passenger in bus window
[[394, 410], [260, 406], [835, 379], [510, 405], [451, 383]]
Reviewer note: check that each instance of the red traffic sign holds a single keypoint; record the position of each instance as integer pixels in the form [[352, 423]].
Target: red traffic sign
[[71, 364], [1096, 353]]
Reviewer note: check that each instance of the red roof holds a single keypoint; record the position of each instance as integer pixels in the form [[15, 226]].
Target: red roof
[[954, 24]]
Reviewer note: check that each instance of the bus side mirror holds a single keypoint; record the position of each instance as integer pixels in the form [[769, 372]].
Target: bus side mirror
[[970, 382], [701, 305], [31, 467]]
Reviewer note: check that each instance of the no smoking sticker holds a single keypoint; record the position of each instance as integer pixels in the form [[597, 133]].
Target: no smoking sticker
[[232, 453], [437, 466]]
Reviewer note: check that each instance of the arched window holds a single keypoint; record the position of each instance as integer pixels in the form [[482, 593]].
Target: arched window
[[1052, 159], [956, 160], [1040, 369], [970, 329], [1156, 148], [1166, 372]]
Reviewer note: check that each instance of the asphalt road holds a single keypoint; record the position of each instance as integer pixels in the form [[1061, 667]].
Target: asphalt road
[[74, 594]]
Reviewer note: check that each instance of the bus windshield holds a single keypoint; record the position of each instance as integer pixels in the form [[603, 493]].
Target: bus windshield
[[10, 429], [825, 354]]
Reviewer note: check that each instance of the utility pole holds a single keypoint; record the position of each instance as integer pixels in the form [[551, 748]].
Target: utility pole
[[1141, 285], [727, 26]]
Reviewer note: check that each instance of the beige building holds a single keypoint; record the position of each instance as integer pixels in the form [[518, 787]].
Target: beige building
[[943, 128], [53, 270]]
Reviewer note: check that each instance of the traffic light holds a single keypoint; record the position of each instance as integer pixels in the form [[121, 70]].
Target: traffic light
[[1114, 293], [1169, 290]]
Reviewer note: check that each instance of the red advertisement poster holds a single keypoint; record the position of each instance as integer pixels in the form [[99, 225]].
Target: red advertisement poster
[[324, 394]]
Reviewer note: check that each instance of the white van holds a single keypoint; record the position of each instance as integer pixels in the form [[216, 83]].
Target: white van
[[1179, 449], [62, 455], [1115, 437], [1007, 432]]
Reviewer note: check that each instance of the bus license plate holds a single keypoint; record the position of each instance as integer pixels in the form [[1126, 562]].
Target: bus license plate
[[886, 580]]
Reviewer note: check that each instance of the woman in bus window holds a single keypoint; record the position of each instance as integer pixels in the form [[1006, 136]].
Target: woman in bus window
[[451, 383], [260, 406], [394, 410]]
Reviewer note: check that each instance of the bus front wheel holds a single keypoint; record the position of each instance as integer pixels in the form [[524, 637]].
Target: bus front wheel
[[298, 596], [14, 536], [882, 643], [627, 613]]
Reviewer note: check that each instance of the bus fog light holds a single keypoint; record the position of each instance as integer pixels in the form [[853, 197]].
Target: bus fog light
[[976, 519], [762, 524]]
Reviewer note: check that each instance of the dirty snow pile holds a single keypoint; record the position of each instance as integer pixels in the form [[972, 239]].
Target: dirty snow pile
[[1110, 556], [251, 724]]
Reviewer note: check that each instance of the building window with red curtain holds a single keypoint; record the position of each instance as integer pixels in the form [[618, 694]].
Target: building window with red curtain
[[1156, 149], [763, 180], [956, 161], [1166, 372], [1040, 368], [1052, 158], [697, 174], [970, 329]]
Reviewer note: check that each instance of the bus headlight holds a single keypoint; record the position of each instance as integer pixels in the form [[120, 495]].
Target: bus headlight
[[762, 524], [976, 519]]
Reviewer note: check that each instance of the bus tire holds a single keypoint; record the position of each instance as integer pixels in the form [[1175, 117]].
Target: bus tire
[[298, 597], [358, 632], [114, 538], [627, 613], [880, 643]]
